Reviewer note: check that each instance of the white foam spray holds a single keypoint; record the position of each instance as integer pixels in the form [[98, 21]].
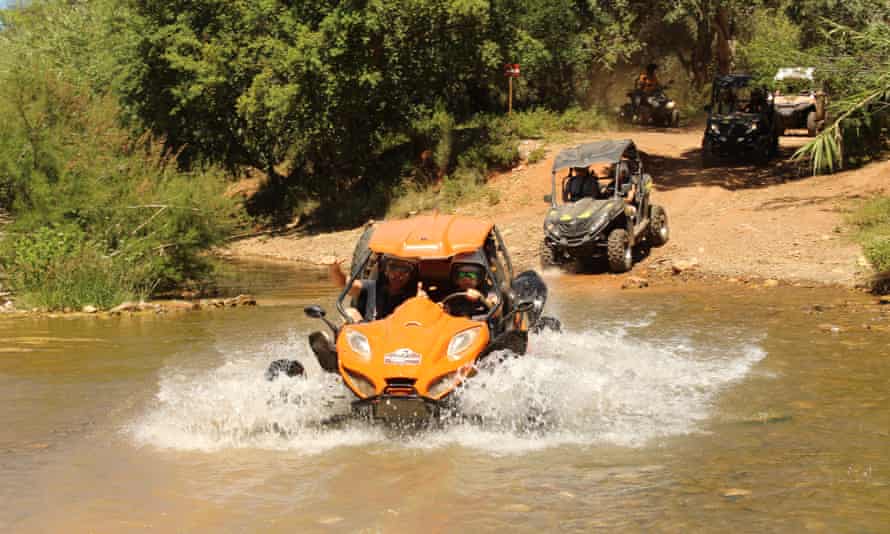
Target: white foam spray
[[591, 388]]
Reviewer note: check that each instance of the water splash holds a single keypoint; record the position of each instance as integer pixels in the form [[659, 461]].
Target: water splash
[[597, 388]]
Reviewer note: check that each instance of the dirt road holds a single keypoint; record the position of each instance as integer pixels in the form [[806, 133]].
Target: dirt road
[[736, 221]]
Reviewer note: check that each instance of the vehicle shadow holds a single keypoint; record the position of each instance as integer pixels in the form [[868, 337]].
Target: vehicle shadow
[[686, 171], [601, 265]]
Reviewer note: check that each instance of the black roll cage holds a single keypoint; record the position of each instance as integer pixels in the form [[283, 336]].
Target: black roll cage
[[499, 243]]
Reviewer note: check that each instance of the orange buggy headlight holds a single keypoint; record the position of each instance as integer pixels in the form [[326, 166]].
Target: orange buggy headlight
[[359, 343], [461, 342]]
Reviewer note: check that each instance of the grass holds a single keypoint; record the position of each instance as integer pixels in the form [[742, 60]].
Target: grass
[[872, 221]]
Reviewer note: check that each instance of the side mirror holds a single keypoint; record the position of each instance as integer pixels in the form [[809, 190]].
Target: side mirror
[[315, 311], [548, 199]]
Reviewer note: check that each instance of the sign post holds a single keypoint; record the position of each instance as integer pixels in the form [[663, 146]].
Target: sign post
[[511, 70]]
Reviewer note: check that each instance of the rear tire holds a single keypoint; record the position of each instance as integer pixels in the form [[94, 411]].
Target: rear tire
[[812, 126], [675, 119], [658, 232], [620, 252]]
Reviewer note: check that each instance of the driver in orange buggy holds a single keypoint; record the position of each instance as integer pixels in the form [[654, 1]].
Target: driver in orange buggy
[[397, 285]]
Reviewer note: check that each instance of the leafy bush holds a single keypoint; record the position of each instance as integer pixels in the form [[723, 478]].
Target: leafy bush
[[98, 215], [537, 155], [61, 268], [872, 220]]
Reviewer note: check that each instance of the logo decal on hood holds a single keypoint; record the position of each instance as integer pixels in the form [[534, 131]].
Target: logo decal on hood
[[402, 357]]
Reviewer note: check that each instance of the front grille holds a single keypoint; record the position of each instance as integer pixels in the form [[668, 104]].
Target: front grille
[[572, 228], [400, 386]]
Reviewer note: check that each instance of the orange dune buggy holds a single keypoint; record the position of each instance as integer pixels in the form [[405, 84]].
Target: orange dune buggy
[[406, 365]]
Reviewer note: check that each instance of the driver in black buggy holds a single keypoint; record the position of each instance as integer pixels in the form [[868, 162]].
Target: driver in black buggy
[[582, 182]]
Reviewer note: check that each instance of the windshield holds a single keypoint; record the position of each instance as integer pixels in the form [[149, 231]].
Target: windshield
[[740, 100], [793, 86]]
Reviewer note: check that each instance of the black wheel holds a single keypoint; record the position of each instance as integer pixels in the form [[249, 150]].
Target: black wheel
[[763, 152], [287, 367], [812, 126], [548, 256], [626, 114], [675, 118], [658, 232], [707, 156], [620, 253], [361, 249]]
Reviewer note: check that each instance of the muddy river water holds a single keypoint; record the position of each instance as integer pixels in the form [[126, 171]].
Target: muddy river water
[[684, 410]]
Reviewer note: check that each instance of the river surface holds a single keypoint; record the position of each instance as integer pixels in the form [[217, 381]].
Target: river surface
[[700, 409]]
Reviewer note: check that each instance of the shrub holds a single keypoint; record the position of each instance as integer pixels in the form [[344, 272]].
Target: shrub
[[537, 155], [872, 220], [59, 267], [98, 215]]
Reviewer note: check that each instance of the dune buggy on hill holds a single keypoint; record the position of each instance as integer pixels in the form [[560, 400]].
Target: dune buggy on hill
[[602, 207], [741, 121]]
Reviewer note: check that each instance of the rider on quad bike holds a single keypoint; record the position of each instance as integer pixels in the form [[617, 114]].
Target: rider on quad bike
[[648, 102]]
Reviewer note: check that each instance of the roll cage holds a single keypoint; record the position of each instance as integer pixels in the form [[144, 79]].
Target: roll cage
[[435, 273], [608, 152]]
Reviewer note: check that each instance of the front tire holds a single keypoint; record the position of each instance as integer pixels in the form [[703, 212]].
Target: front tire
[[675, 119], [707, 155], [620, 252], [658, 232], [812, 125], [548, 256]]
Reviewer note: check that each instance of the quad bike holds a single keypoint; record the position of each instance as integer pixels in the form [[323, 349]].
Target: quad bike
[[741, 122], [596, 217], [405, 367], [655, 108]]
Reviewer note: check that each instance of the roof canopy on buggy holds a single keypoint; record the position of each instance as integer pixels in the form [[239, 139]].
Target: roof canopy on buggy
[[608, 151], [732, 80], [795, 73], [430, 236]]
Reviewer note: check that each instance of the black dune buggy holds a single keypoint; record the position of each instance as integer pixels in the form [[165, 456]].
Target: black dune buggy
[[741, 122], [602, 207]]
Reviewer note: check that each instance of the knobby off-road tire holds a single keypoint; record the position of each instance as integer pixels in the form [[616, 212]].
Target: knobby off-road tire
[[707, 155], [812, 125], [619, 251], [658, 232], [548, 257]]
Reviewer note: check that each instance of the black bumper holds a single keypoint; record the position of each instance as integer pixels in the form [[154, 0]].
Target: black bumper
[[410, 409]]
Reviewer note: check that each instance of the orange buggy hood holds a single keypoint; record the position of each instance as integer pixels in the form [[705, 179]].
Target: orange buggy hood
[[422, 327], [430, 236]]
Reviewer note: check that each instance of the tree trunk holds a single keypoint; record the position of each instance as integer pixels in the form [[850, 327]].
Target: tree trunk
[[725, 41]]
